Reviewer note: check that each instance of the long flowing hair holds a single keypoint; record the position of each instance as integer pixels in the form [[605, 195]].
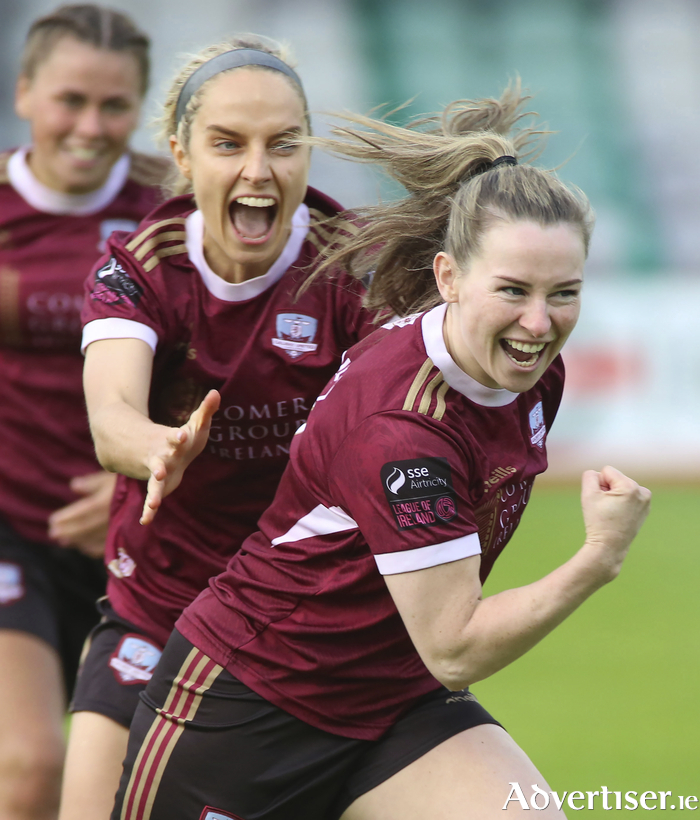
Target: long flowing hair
[[453, 194]]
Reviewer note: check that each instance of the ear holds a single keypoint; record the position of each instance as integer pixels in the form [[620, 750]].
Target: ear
[[446, 275], [23, 97], [181, 157]]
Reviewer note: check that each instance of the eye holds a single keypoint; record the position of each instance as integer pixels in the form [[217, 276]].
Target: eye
[[513, 290], [71, 100], [566, 295], [284, 147], [227, 145], [117, 106]]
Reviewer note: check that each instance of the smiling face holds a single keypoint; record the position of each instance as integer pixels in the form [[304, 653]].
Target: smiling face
[[82, 105], [513, 307], [248, 180]]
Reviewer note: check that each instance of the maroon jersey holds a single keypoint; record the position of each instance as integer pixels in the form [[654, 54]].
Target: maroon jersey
[[405, 463], [266, 348], [48, 244]]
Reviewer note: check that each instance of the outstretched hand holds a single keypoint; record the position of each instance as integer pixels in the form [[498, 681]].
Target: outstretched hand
[[173, 453], [614, 509]]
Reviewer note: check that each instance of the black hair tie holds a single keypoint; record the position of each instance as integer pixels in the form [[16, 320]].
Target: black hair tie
[[504, 160]]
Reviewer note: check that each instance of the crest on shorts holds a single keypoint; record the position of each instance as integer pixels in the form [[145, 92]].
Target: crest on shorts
[[134, 660], [11, 583], [295, 334], [216, 814], [538, 430]]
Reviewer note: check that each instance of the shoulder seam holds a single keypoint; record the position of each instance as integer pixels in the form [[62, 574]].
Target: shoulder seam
[[156, 226]]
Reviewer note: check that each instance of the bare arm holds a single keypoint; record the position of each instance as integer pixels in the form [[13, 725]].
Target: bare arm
[[117, 380], [463, 638]]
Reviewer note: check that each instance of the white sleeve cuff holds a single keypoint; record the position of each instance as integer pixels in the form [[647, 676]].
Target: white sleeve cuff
[[393, 563], [114, 328]]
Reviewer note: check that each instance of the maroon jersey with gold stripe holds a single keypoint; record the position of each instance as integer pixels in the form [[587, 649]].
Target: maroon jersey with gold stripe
[[265, 347], [45, 258], [405, 463]]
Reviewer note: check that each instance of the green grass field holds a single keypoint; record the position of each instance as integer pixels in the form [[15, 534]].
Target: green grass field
[[612, 696]]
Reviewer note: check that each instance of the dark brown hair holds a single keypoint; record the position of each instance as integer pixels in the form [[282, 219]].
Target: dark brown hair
[[98, 26]]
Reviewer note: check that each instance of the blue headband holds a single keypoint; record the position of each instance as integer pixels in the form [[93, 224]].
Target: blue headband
[[230, 59]]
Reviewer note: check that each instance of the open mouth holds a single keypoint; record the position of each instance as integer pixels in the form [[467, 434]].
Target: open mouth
[[253, 217], [524, 354]]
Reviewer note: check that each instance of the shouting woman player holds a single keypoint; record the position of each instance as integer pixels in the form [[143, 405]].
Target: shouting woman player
[[204, 295], [324, 673], [83, 76]]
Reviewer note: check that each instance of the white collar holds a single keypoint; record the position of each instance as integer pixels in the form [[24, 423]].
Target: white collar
[[431, 325], [241, 291], [54, 202]]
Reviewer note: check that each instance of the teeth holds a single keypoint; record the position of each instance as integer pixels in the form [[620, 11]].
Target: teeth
[[84, 153], [528, 363], [256, 201], [526, 348]]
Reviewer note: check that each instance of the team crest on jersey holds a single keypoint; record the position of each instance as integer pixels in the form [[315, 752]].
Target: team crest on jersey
[[538, 430], [113, 285], [134, 660], [123, 565], [295, 334], [11, 583], [419, 491], [109, 226]]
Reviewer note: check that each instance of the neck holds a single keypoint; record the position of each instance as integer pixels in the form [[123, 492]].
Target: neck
[[42, 173]]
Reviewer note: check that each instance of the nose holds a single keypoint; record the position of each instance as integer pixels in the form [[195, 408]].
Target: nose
[[257, 166], [90, 122], [535, 318]]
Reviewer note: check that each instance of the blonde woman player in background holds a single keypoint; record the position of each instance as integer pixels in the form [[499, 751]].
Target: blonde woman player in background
[[198, 314], [324, 674], [83, 76]]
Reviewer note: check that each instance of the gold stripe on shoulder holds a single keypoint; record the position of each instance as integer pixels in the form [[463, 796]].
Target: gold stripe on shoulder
[[161, 253], [349, 226], [10, 324], [315, 241], [441, 404], [346, 225], [137, 240], [424, 405], [168, 236], [418, 382]]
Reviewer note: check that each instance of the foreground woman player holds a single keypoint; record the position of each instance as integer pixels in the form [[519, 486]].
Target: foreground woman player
[[83, 76], [203, 295], [312, 679]]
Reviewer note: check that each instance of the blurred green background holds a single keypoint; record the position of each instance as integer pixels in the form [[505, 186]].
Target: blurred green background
[[610, 698]]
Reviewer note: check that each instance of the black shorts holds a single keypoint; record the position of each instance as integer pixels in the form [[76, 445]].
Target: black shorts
[[49, 592], [118, 661], [216, 749]]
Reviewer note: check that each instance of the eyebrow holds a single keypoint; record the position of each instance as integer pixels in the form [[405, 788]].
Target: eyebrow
[[292, 131], [527, 284]]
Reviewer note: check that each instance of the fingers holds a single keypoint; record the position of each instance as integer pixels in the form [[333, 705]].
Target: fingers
[[610, 479], [203, 415], [155, 493]]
